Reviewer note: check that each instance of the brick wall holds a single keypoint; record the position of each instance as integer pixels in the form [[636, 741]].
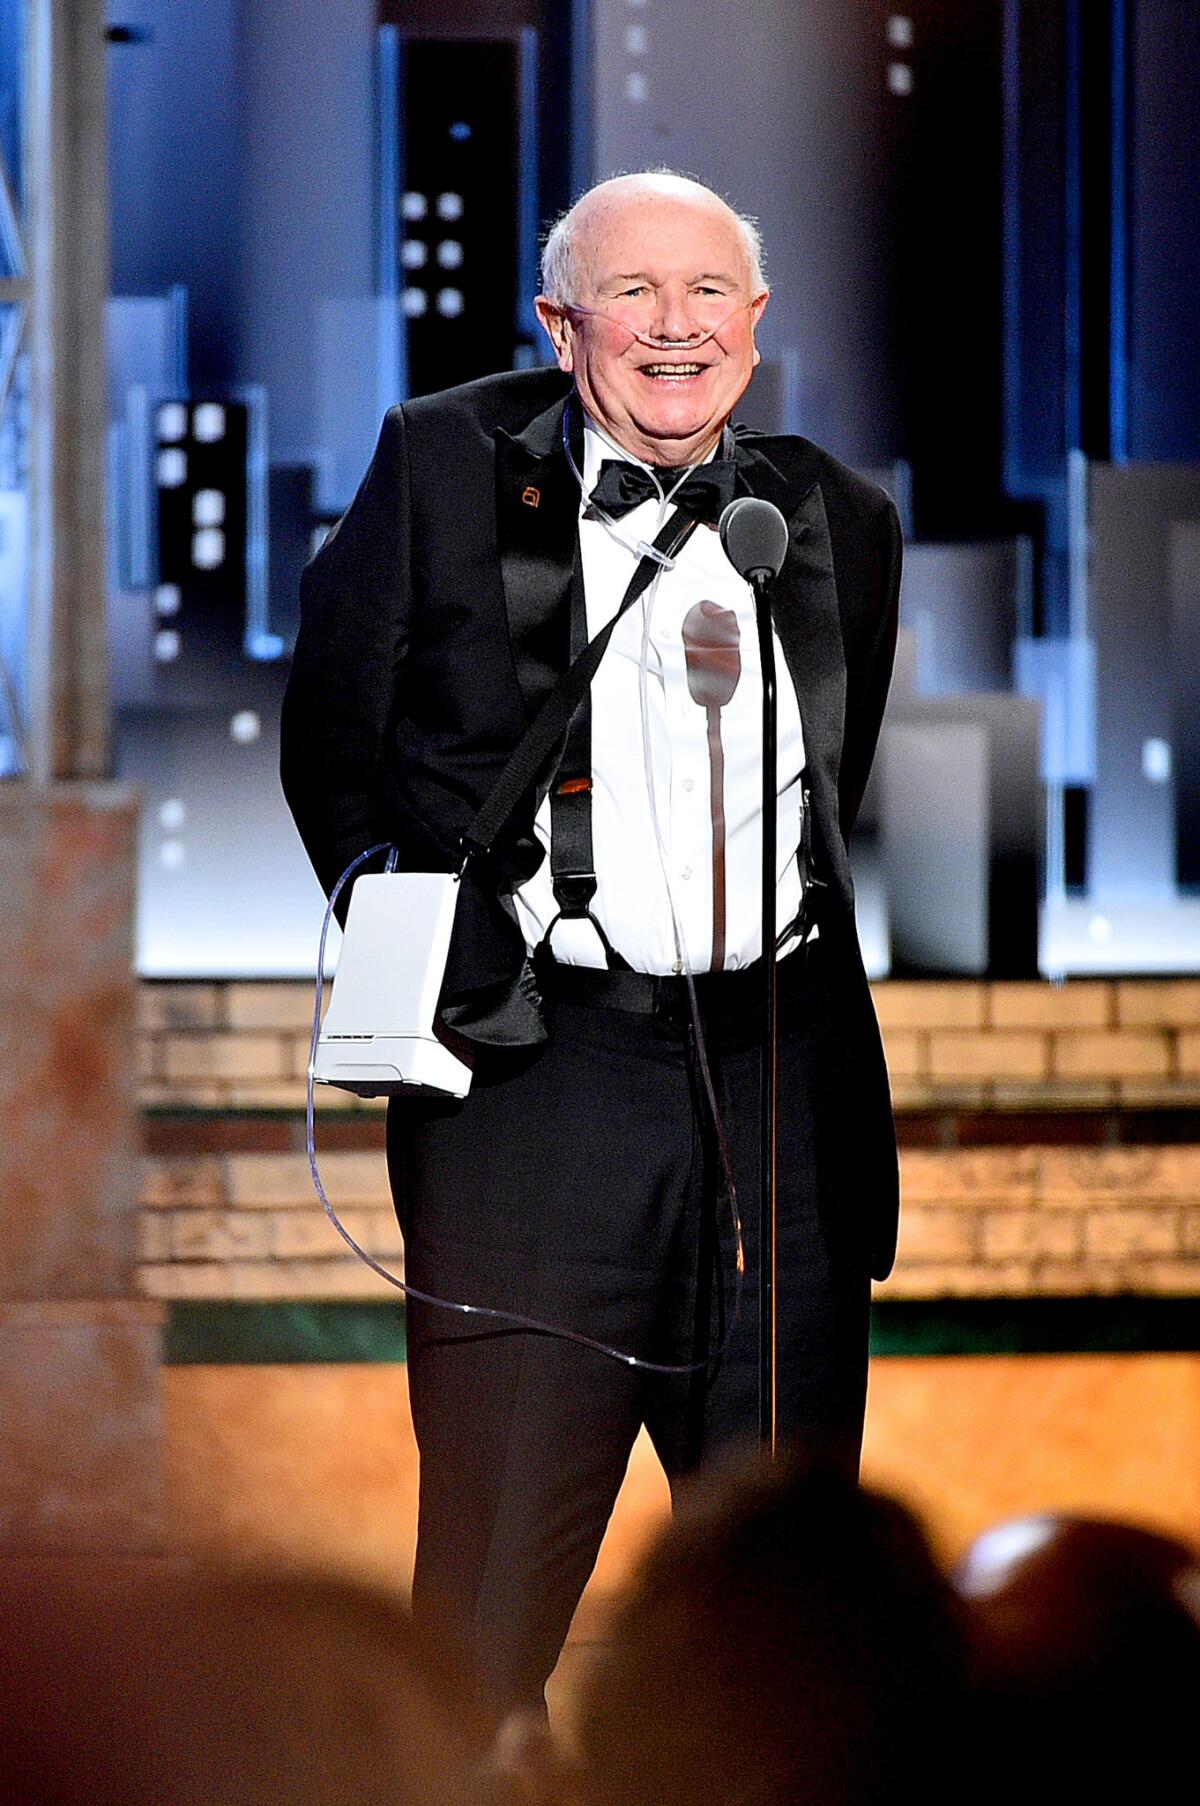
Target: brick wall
[[227, 1046], [1049, 1221], [1050, 1143], [1078, 1045]]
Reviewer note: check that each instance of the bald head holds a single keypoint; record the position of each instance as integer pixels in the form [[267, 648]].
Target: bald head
[[567, 258]]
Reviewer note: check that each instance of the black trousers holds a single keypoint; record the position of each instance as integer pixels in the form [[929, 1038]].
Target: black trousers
[[585, 1189]]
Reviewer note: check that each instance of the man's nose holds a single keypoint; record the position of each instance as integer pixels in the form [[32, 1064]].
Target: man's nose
[[673, 315]]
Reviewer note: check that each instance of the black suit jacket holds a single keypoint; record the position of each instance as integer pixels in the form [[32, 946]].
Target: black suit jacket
[[435, 619]]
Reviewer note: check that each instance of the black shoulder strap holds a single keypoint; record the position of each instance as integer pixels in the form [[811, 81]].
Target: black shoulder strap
[[572, 856], [572, 863], [544, 734]]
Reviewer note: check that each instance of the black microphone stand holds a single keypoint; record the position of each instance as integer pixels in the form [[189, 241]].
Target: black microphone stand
[[754, 535], [768, 1348]]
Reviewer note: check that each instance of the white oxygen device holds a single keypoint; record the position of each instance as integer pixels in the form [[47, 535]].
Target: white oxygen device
[[378, 1038]]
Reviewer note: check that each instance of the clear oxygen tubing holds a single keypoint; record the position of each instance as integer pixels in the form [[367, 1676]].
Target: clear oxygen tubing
[[653, 344], [484, 1313]]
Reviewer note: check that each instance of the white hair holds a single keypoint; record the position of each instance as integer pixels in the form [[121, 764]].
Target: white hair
[[558, 252]]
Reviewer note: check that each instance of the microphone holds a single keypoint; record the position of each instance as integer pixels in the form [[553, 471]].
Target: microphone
[[755, 537], [712, 654], [712, 651]]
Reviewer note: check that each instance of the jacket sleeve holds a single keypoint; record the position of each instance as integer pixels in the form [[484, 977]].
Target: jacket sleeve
[[343, 691], [869, 664]]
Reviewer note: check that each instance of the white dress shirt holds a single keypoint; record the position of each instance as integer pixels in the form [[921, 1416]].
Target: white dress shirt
[[637, 881]]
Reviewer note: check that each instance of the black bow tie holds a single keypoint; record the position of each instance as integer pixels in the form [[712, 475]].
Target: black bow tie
[[702, 495]]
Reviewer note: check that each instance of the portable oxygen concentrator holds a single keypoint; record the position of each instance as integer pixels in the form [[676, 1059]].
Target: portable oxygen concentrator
[[378, 1037]]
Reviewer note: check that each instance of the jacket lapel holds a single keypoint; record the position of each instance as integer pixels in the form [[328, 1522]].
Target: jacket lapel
[[537, 511], [808, 622]]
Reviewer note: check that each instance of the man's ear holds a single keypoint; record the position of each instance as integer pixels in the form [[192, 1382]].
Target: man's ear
[[757, 309], [558, 331]]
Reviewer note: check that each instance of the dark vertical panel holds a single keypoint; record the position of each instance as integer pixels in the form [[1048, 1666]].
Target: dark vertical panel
[[1120, 95], [947, 241], [460, 114], [560, 30], [212, 594], [1035, 289], [1185, 700], [1164, 226], [562, 60], [1035, 245], [1091, 92], [1075, 836], [889, 128], [1066, 275]]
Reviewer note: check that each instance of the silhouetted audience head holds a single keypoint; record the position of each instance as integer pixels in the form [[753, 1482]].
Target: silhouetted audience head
[[166, 1690], [1085, 1643], [789, 1639]]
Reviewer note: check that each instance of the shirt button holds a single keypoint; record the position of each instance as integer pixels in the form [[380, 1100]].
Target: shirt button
[[689, 784], [686, 872]]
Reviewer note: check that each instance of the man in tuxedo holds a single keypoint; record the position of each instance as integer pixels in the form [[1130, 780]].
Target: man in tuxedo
[[585, 1181]]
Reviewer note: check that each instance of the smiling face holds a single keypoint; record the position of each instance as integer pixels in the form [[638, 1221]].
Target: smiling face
[[659, 333]]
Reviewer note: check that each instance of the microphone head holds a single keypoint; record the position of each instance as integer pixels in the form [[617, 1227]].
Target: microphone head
[[755, 537]]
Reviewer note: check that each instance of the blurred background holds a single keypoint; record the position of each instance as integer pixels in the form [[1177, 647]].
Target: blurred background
[[983, 234], [232, 233]]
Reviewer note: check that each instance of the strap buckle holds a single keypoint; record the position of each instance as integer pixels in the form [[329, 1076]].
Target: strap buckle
[[573, 891]]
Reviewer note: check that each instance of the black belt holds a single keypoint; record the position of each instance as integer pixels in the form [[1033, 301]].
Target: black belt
[[723, 995]]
